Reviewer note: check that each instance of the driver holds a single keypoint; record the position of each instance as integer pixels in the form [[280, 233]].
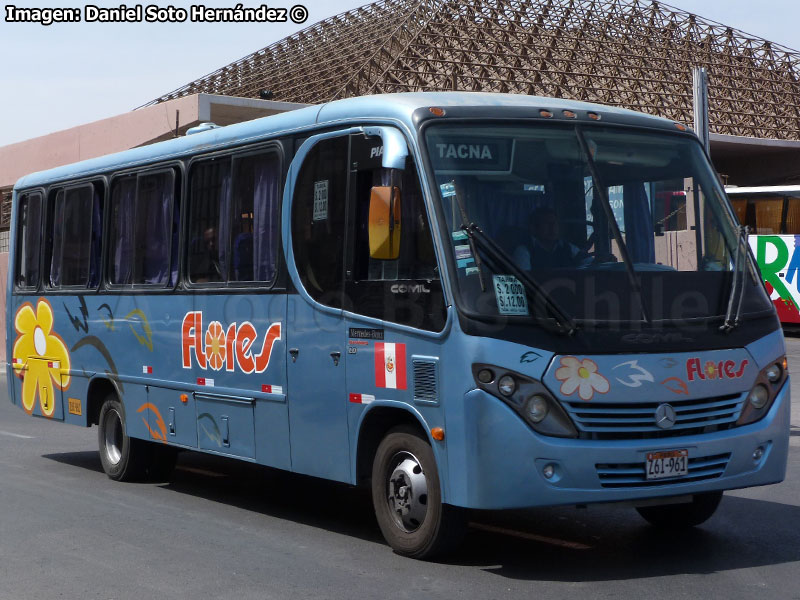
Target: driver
[[546, 249]]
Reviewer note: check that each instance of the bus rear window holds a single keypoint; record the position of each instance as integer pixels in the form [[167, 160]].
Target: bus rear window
[[29, 241]]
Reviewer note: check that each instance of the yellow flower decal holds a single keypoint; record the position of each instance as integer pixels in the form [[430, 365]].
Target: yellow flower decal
[[40, 357]]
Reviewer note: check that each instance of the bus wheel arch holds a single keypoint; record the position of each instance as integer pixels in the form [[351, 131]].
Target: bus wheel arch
[[100, 388], [374, 427]]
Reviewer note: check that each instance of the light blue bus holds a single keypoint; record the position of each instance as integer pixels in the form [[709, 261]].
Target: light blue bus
[[463, 300]]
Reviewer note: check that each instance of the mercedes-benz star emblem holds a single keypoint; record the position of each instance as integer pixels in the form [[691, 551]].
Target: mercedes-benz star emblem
[[665, 416]]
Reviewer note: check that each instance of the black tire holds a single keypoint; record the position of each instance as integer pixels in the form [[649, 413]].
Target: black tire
[[409, 508], [682, 516], [123, 458]]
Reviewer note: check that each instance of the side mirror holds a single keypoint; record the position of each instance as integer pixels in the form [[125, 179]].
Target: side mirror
[[384, 223]]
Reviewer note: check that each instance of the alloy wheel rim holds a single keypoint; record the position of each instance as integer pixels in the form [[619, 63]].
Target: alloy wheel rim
[[112, 441], [407, 492]]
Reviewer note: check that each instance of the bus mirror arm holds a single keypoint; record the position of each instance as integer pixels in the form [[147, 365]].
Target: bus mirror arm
[[395, 149]]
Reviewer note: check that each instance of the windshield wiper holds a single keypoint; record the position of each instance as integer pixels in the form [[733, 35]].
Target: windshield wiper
[[737, 282], [612, 222], [564, 322]]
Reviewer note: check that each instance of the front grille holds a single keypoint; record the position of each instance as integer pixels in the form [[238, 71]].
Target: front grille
[[624, 475], [636, 420]]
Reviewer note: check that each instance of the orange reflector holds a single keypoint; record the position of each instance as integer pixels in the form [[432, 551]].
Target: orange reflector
[[437, 433], [546, 113], [680, 126], [569, 114], [785, 364], [594, 116], [184, 398], [436, 111]]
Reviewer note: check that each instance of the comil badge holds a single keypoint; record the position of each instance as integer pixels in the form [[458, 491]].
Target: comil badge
[[390, 366]]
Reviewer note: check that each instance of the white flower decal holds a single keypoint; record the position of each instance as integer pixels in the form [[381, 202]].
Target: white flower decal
[[580, 375]]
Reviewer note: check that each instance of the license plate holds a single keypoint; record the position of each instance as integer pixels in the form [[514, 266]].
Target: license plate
[[672, 463]]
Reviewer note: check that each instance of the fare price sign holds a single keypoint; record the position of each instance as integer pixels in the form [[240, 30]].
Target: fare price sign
[[510, 295]]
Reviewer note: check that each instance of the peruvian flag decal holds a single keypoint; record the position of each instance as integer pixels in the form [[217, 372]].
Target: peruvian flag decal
[[390, 365]]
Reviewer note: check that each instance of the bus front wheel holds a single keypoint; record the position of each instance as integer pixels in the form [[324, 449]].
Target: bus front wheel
[[123, 458], [406, 493], [682, 516]]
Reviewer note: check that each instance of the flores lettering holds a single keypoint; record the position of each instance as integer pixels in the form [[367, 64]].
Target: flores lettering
[[724, 369], [217, 347]]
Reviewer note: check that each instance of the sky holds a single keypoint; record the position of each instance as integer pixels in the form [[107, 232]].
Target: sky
[[59, 76]]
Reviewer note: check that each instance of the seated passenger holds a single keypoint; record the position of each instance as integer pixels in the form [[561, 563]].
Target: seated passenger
[[546, 250], [204, 261]]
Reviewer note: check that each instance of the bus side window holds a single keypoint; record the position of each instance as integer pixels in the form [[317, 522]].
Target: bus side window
[[76, 235], [255, 220], [318, 218], [144, 228], [235, 219], [210, 190], [29, 241]]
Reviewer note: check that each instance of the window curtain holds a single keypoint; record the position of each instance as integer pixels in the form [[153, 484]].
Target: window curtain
[[638, 224], [224, 228], [266, 202], [58, 240], [97, 241], [124, 212], [158, 233]]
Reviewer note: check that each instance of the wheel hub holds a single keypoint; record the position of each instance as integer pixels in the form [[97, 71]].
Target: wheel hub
[[407, 492], [112, 440]]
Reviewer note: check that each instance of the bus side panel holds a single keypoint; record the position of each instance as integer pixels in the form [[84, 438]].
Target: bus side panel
[[391, 368], [172, 416], [235, 349], [778, 259], [74, 398]]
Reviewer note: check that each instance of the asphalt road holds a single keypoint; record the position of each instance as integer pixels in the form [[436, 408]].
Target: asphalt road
[[223, 529]]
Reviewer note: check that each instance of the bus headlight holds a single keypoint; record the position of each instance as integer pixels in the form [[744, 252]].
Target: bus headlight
[[758, 396], [506, 385], [774, 372], [528, 397], [536, 409], [766, 387]]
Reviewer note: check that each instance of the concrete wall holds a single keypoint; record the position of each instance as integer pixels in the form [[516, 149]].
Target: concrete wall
[[95, 139]]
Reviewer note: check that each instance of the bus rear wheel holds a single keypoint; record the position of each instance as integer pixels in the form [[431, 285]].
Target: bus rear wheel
[[682, 516], [406, 494], [123, 458]]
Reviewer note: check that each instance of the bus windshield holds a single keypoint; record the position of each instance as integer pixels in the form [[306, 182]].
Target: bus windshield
[[607, 224]]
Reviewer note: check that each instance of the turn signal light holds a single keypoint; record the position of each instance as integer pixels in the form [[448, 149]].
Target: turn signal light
[[437, 433]]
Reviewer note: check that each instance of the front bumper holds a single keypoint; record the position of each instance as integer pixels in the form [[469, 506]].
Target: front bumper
[[501, 463]]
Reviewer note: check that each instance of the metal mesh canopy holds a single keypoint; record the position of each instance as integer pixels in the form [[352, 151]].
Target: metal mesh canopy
[[630, 54]]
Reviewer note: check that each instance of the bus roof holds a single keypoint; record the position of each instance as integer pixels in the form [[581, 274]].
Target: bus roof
[[398, 107], [764, 190]]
